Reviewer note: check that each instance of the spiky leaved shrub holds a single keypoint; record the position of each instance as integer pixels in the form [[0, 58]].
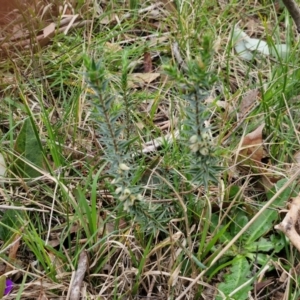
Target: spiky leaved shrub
[[113, 114], [113, 120], [196, 84]]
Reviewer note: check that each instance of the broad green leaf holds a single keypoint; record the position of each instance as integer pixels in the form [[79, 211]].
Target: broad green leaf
[[239, 274], [239, 221], [278, 242], [28, 147], [274, 242], [260, 259], [234, 191], [266, 220], [261, 245]]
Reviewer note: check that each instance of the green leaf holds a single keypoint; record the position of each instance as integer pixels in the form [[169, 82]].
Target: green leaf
[[266, 220], [274, 242], [28, 147], [260, 259], [226, 236], [234, 190], [278, 241], [10, 221], [240, 220], [239, 274], [261, 245]]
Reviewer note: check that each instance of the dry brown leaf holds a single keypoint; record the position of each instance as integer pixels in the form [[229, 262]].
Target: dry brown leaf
[[49, 30], [261, 285], [112, 47], [252, 147], [13, 252], [139, 80], [42, 296], [147, 62], [251, 154], [248, 102]]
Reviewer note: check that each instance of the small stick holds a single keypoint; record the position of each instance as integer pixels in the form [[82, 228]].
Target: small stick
[[79, 275]]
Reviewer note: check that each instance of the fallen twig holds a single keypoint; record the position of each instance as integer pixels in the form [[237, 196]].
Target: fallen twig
[[79, 275]]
